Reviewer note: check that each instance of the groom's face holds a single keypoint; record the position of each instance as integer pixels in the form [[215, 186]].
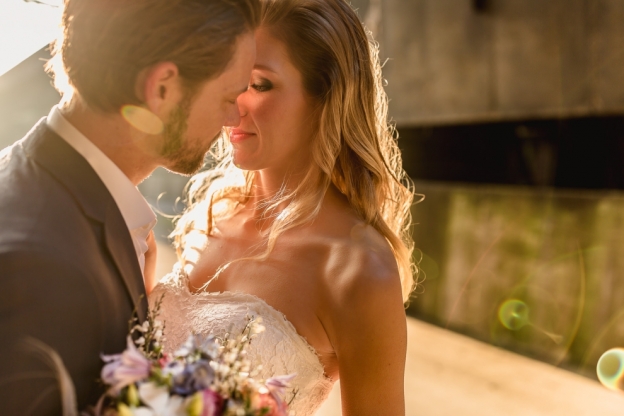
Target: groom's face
[[198, 119]]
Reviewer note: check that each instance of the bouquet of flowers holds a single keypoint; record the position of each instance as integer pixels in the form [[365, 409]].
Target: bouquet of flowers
[[207, 376]]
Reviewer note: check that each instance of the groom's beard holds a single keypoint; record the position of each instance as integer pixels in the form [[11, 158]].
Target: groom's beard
[[182, 154]]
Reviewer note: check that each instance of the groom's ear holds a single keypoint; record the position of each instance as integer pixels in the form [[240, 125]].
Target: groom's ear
[[160, 87]]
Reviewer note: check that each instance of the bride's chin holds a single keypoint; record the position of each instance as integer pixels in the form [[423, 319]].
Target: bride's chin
[[244, 160], [247, 155]]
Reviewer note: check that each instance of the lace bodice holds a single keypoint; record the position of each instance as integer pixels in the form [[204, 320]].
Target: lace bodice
[[279, 349]]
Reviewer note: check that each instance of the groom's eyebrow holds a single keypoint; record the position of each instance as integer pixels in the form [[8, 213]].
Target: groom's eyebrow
[[236, 93], [264, 68]]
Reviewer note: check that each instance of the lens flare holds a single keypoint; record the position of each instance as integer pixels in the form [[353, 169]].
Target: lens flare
[[610, 369], [513, 314], [142, 119]]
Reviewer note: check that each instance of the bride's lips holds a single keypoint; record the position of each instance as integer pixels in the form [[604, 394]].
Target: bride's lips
[[238, 135]]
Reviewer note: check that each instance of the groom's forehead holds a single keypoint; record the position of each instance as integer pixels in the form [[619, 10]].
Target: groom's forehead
[[227, 85], [235, 77]]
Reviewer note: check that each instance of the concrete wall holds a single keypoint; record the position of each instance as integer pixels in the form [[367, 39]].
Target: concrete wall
[[450, 62], [552, 254]]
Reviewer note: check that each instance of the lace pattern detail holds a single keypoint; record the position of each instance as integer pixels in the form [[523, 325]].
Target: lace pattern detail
[[279, 349]]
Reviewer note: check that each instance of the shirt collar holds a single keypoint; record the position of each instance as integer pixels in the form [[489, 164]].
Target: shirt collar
[[134, 208]]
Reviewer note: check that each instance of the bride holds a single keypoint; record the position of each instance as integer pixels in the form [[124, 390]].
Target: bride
[[304, 219]]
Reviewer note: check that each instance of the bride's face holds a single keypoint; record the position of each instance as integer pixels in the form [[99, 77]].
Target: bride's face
[[277, 122]]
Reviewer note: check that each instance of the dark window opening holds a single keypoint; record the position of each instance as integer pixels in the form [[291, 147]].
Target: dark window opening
[[585, 153]]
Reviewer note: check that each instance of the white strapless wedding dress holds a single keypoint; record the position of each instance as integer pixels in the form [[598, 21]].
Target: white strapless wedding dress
[[279, 349]]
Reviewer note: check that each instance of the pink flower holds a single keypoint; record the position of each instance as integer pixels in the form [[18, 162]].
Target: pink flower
[[268, 402], [164, 360], [125, 368], [213, 403]]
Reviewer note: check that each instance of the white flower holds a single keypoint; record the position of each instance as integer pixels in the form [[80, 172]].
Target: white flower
[[159, 402]]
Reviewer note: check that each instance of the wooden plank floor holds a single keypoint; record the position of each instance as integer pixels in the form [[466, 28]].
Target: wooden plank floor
[[448, 374]]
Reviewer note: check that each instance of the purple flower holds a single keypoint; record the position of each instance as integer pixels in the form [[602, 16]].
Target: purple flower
[[126, 368], [277, 387], [195, 377], [278, 384]]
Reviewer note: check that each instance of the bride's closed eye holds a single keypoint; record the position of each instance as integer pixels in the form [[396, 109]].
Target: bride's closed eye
[[262, 85]]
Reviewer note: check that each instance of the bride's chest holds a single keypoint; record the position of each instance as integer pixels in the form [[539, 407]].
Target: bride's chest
[[288, 279]]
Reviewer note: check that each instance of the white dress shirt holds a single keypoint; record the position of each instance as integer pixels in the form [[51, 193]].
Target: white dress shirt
[[135, 210]]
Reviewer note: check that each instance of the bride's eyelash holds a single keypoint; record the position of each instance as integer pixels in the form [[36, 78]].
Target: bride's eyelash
[[262, 86]]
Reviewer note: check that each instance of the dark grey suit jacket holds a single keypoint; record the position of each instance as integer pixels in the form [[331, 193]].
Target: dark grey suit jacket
[[69, 275]]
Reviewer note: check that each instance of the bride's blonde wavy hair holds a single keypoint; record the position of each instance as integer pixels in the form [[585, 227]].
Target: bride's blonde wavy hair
[[354, 147]]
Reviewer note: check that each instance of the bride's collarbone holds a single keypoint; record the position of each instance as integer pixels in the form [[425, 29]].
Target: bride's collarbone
[[287, 283]]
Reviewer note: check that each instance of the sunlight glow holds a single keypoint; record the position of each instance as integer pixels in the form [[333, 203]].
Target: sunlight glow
[[26, 27], [610, 369], [142, 119], [513, 314]]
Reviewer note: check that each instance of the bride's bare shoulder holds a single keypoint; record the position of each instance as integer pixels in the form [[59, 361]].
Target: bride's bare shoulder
[[359, 288], [352, 256], [361, 261]]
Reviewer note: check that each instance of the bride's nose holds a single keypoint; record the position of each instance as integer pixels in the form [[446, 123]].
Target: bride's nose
[[243, 108], [233, 116]]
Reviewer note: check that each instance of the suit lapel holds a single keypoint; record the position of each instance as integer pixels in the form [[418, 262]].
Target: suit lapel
[[121, 248], [70, 168]]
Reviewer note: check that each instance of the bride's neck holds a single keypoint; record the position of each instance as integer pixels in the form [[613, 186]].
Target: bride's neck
[[269, 187]]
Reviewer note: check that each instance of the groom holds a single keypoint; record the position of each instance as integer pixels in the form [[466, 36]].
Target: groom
[[152, 82]]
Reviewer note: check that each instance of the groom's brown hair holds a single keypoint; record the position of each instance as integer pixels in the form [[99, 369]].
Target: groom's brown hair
[[107, 43]]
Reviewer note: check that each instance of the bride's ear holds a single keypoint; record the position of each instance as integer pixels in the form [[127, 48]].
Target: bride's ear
[[160, 87]]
